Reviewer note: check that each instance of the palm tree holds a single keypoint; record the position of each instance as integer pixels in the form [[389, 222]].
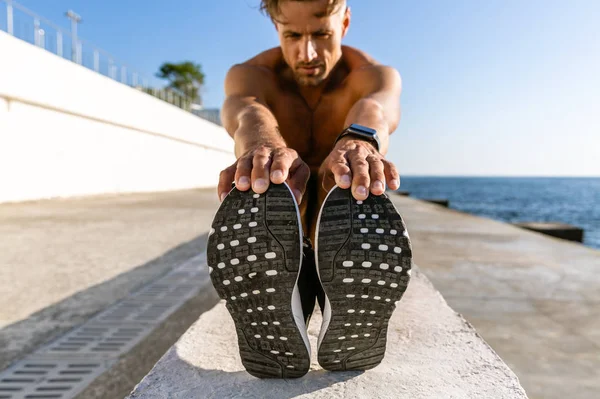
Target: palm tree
[[185, 77]]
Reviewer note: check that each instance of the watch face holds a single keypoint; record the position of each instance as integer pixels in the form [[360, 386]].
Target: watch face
[[363, 129]]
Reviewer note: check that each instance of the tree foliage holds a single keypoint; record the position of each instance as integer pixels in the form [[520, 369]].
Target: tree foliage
[[185, 77]]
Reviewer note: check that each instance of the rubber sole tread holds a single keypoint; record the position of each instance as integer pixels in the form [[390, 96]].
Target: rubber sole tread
[[364, 260], [254, 255]]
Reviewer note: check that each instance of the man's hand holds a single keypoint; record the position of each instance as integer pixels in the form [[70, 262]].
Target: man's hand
[[357, 164], [262, 165]]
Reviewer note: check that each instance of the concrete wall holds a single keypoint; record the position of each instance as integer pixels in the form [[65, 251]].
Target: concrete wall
[[68, 131]]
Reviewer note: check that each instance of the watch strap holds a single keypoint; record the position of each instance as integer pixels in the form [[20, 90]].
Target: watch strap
[[349, 131]]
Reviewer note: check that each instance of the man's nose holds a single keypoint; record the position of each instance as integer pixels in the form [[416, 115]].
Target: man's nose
[[308, 51]]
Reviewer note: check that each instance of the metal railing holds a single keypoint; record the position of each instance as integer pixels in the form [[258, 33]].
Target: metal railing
[[24, 24]]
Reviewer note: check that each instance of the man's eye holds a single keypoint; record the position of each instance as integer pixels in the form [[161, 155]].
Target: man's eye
[[322, 34]]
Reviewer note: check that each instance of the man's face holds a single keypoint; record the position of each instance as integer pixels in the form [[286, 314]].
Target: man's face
[[311, 40]]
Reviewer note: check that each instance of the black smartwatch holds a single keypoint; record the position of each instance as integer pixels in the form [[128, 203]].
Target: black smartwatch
[[361, 132]]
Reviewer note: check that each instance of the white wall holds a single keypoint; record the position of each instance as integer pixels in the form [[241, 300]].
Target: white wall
[[68, 131]]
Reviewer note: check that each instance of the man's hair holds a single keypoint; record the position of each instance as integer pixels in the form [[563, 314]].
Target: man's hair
[[271, 7]]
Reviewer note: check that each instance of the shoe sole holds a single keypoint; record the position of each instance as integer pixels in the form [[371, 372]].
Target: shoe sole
[[254, 255], [364, 263]]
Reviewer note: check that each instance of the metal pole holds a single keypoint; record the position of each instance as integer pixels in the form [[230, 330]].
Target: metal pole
[[135, 79], [42, 38], [96, 61], [36, 31], [79, 52], [59, 44], [9, 17], [75, 19], [110, 68], [123, 75], [74, 40]]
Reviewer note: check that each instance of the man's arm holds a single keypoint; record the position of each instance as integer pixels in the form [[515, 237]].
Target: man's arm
[[356, 163], [261, 151], [379, 105], [245, 114]]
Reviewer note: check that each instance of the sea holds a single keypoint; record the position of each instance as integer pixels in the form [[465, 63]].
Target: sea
[[571, 200]]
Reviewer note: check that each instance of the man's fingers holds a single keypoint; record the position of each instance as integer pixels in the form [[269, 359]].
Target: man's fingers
[[360, 172], [341, 173], [391, 174], [328, 180], [225, 179], [281, 163], [260, 170], [376, 170], [242, 173], [299, 174]]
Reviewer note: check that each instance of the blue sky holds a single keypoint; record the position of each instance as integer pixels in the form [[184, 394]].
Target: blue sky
[[495, 87]]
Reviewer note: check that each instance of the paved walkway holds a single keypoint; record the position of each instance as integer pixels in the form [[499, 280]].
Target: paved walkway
[[534, 299], [64, 260]]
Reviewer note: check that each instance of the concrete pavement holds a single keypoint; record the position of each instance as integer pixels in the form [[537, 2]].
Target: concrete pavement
[[432, 353], [535, 299], [65, 260]]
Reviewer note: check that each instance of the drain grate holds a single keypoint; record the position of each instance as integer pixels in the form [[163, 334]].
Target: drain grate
[[66, 366], [100, 339], [140, 312], [169, 290], [44, 378]]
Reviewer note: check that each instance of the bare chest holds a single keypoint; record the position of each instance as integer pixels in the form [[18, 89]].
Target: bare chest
[[311, 132]]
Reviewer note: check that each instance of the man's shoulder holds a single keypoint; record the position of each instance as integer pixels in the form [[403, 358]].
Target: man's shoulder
[[260, 69], [362, 64], [357, 59], [270, 59], [265, 63], [366, 72]]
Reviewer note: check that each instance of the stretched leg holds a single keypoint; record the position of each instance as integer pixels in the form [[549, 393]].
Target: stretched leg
[[308, 282], [309, 208]]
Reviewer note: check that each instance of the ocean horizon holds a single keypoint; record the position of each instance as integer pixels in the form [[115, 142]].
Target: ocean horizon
[[573, 200]]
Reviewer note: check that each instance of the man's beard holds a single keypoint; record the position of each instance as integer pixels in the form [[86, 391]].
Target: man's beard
[[311, 80]]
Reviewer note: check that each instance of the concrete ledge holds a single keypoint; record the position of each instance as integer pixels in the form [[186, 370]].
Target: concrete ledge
[[432, 353], [558, 230], [441, 202]]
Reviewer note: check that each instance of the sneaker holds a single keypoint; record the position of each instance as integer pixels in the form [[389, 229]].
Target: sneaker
[[254, 257], [364, 264]]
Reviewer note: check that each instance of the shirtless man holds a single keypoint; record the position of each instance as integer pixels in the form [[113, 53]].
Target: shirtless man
[[311, 120]]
